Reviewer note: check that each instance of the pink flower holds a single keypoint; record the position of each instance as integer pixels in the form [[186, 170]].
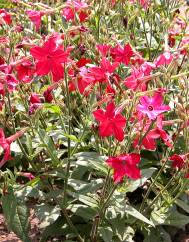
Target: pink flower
[[5, 16], [28, 175], [104, 71], [125, 165], [111, 122], [49, 59], [122, 55], [103, 49], [75, 6], [6, 142], [134, 81], [7, 78], [35, 17], [164, 59], [152, 106]]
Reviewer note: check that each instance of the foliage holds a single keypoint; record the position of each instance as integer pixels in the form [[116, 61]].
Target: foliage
[[94, 118]]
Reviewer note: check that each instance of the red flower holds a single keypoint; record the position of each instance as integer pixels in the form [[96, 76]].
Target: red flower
[[104, 71], [152, 106], [164, 59], [178, 161], [25, 71], [5, 16], [49, 59], [35, 98], [111, 122], [122, 55], [75, 6], [103, 49], [125, 165], [6, 142]]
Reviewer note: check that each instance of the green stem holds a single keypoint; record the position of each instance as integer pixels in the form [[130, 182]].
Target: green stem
[[69, 141]]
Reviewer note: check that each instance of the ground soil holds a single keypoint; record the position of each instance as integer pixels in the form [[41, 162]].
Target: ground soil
[[7, 236]]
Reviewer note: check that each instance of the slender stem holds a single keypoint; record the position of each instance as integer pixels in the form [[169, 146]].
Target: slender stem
[[68, 140]]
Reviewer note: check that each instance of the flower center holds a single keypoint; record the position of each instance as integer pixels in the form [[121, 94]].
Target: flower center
[[150, 108], [124, 163], [48, 57]]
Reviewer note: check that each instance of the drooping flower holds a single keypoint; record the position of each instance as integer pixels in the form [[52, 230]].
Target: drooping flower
[[110, 122], [28, 175], [6, 142], [7, 78], [122, 55], [73, 7], [178, 161], [5, 16], [149, 141], [49, 59], [164, 59], [152, 106], [125, 165], [35, 102], [35, 17]]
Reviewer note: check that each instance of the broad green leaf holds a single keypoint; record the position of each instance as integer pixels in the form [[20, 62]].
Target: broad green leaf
[[92, 160], [29, 192], [182, 205], [171, 217], [16, 215], [55, 229], [83, 211], [85, 187], [157, 234], [47, 214], [106, 233], [133, 212], [146, 174]]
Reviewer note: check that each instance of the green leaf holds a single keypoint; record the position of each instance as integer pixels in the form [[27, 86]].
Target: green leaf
[[106, 233], [52, 108], [16, 215], [54, 229], [47, 214], [182, 205], [157, 234], [133, 212], [170, 217], [83, 211], [146, 174], [85, 187], [72, 138], [92, 160], [87, 200]]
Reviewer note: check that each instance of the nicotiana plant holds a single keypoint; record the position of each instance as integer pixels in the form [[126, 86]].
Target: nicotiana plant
[[95, 118]]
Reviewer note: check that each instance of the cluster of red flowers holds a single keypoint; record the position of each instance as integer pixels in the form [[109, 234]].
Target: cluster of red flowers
[[85, 75]]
